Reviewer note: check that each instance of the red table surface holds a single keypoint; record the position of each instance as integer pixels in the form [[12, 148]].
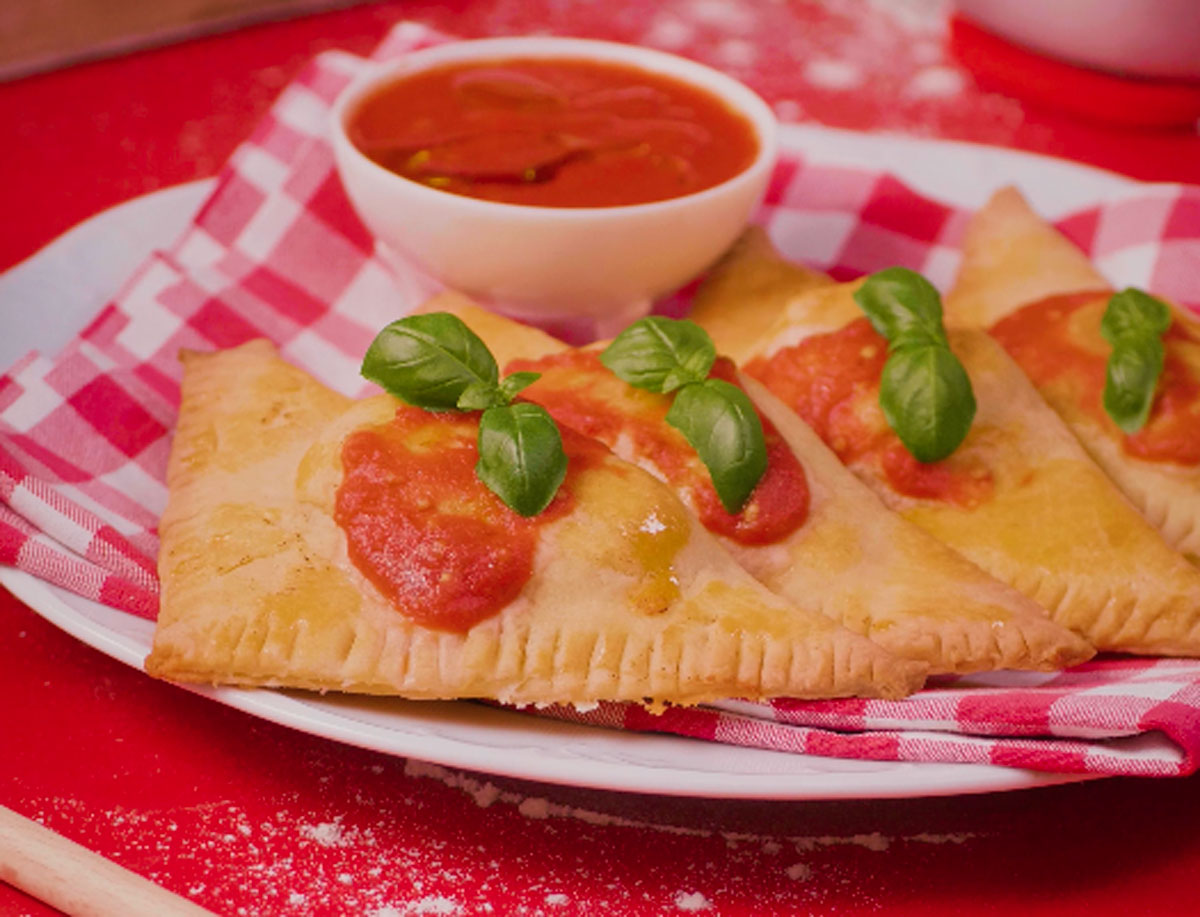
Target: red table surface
[[245, 817]]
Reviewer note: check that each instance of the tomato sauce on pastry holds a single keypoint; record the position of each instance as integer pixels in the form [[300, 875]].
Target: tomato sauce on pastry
[[580, 392], [1057, 341], [832, 381], [419, 524]]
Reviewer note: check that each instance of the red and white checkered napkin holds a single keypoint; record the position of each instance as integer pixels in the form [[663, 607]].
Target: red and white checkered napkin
[[277, 252]]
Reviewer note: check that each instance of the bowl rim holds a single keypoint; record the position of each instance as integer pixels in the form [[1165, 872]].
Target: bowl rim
[[735, 94]]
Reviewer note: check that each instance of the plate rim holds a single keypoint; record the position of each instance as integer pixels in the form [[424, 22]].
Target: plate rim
[[907, 779], [310, 714]]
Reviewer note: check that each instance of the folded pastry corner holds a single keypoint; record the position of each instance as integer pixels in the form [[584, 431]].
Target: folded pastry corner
[[1011, 257], [314, 542], [1043, 301]]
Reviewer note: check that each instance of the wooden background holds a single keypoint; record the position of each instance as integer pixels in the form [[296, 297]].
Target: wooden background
[[38, 35]]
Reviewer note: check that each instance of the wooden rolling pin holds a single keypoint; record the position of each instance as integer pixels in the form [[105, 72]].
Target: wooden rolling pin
[[76, 881]]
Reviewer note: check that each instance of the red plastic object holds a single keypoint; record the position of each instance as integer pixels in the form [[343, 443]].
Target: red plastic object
[[1103, 97]]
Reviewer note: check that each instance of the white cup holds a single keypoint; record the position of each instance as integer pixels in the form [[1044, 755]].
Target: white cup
[[1148, 38], [600, 265]]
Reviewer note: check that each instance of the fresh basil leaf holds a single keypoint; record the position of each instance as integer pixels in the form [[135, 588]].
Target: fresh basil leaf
[[1132, 312], [479, 396], [924, 390], [927, 399], [660, 354], [720, 422], [429, 360], [521, 458], [899, 302], [1130, 380], [1133, 323], [515, 382]]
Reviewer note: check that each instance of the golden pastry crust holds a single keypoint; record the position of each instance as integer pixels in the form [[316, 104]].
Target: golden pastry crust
[[860, 564], [258, 588], [1012, 258], [884, 577], [1054, 527], [744, 293]]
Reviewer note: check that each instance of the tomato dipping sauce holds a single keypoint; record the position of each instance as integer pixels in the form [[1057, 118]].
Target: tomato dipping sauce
[[1057, 342], [430, 536], [832, 381], [580, 393], [553, 132]]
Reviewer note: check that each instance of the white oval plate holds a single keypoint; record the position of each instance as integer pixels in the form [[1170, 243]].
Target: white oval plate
[[48, 298]]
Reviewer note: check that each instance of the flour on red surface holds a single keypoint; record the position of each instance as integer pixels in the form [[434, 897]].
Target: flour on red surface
[[692, 902]]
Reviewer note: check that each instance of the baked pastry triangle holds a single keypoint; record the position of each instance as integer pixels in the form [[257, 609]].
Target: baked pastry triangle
[[1013, 262], [850, 557], [275, 483], [1019, 497]]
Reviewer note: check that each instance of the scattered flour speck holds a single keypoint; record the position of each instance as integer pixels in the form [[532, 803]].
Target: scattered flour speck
[[327, 834], [296, 899], [728, 17], [872, 841], [801, 872], [669, 32], [534, 807], [935, 82], [915, 16], [957, 837], [832, 74], [434, 904], [485, 795], [691, 902], [557, 899], [737, 52]]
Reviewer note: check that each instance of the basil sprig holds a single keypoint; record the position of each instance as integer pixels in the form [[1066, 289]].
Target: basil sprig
[[718, 419], [924, 391], [1134, 323], [434, 361]]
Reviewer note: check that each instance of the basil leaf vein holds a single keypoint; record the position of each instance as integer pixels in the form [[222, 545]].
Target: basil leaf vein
[[479, 396], [434, 361], [718, 420], [1133, 324], [429, 360], [660, 354], [901, 303], [521, 457], [721, 424], [927, 399], [924, 391]]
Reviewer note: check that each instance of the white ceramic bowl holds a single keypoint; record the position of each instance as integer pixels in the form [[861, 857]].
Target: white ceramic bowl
[[1150, 38], [601, 265]]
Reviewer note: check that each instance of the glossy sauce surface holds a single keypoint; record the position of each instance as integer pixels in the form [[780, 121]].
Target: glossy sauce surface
[[1057, 342], [445, 550], [579, 391], [832, 381], [553, 133]]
